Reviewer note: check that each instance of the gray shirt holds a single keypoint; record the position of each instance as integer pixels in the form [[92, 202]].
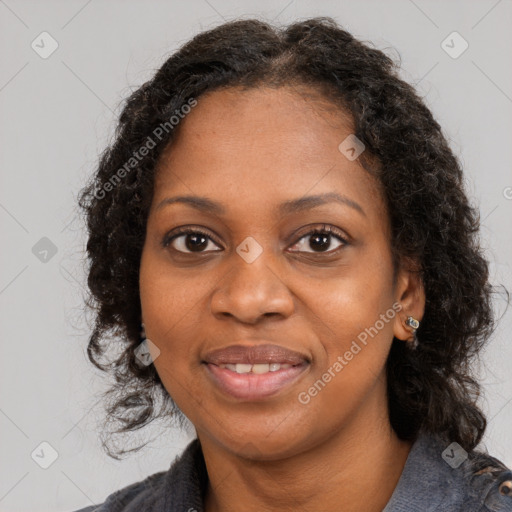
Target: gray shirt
[[437, 476]]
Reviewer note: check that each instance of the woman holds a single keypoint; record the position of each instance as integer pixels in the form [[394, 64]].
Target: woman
[[279, 240]]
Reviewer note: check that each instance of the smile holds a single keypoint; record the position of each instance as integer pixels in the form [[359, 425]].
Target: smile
[[256, 368], [254, 382]]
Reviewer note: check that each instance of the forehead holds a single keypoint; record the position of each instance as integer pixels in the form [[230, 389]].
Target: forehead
[[262, 145]]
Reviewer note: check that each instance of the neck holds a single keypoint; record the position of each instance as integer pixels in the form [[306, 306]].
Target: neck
[[355, 469]]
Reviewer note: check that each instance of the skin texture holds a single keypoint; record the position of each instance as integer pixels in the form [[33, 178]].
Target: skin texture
[[250, 151]]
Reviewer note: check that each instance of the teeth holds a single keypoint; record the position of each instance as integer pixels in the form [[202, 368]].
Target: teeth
[[260, 368], [243, 368], [256, 368]]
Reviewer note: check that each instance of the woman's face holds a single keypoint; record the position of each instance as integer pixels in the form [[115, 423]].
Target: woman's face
[[315, 314]]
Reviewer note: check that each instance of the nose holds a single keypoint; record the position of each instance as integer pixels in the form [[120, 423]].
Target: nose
[[252, 291]]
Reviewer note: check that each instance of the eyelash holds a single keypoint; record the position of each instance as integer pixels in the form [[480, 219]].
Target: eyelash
[[324, 229]]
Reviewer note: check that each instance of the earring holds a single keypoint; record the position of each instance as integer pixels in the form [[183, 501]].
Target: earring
[[413, 324]]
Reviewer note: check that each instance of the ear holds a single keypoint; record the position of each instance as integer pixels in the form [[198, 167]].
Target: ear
[[410, 294]]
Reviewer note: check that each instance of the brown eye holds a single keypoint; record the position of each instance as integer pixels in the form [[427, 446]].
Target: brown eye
[[190, 241], [320, 240]]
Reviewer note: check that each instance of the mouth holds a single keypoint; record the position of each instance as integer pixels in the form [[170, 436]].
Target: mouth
[[254, 373], [258, 368]]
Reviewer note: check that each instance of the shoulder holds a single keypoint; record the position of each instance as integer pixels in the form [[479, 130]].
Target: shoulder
[[180, 487], [440, 476], [134, 497], [489, 482]]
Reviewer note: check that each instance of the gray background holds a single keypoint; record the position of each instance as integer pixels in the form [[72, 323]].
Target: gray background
[[58, 113]]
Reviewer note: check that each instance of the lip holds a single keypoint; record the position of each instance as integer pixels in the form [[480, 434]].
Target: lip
[[254, 354], [251, 386]]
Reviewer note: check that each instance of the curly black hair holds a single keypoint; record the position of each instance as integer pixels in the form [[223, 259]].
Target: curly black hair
[[432, 388]]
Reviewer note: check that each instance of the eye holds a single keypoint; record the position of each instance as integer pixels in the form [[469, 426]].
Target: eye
[[320, 239], [189, 240]]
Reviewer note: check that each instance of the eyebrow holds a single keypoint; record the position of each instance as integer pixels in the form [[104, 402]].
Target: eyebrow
[[292, 206]]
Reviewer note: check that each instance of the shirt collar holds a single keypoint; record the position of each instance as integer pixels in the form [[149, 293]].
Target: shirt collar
[[425, 471]]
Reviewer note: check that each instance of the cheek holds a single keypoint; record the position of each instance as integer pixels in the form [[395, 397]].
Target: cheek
[[352, 300], [174, 304], [354, 315], [165, 300], [355, 327], [354, 331]]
